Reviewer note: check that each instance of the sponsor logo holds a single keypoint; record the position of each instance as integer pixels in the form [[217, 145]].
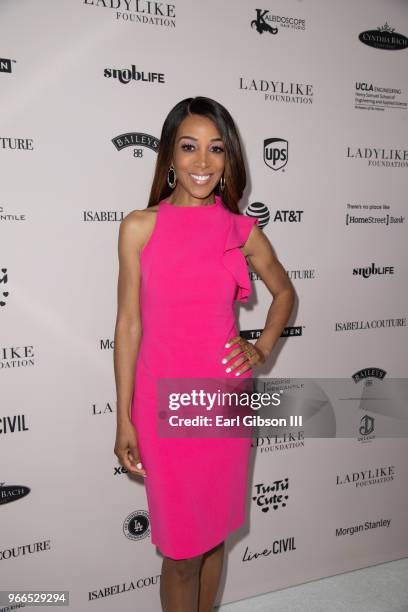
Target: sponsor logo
[[368, 477], [265, 21], [6, 64], [366, 429], [10, 216], [279, 91], [390, 158], [146, 12], [384, 37], [24, 549], [102, 215], [374, 97], [369, 373], [16, 144], [366, 526], [373, 270], [384, 219], [271, 496], [126, 75], [124, 587], [138, 140], [372, 324], [276, 153], [253, 334], [137, 525], [277, 547], [284, 441], [11, 424], [260, 211], [11, 493], [12, 357]]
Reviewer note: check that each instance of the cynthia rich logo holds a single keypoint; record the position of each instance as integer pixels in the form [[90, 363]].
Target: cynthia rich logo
[[265, 21], [385, 38]]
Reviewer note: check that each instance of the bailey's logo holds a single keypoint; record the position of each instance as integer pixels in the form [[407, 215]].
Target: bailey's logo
[[275, 153], [137, 140], [368, 373], [384, 37]]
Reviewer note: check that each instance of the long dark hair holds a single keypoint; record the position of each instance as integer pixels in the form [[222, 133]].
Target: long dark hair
[[234, 173]]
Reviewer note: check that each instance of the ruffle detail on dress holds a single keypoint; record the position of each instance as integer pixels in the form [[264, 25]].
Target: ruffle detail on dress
[[233, 258]]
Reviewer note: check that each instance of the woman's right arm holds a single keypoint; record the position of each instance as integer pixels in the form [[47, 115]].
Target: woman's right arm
[[128, 331]]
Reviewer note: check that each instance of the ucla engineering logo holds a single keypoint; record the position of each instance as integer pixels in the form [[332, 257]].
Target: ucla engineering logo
[[276, 153]]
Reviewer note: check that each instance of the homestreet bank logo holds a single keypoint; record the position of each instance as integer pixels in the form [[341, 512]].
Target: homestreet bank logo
[[381, 215], [279, 91], [384, 38], [139, 11], [265, 21]]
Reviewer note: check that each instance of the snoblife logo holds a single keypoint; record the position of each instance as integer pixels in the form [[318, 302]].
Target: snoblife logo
[[126, 75], [373, 270]]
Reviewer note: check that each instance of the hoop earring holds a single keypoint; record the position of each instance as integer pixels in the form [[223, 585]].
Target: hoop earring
[[172, 183], [222, 183]]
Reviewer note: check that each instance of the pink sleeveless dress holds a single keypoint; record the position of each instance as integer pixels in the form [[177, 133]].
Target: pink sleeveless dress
[[192, 271]]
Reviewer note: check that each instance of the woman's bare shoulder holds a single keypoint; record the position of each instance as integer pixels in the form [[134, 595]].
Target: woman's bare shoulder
[[138, 225], [140, 217]]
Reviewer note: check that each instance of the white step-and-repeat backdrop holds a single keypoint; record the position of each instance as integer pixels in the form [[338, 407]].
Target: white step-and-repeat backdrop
[[319, 92]]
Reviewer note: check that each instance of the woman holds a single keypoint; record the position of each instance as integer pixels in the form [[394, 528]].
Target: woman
[[181, 267]]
